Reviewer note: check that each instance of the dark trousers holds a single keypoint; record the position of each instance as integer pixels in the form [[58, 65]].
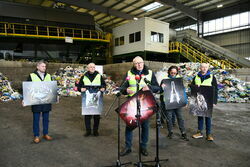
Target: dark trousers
[[173, 118], [144, 135], [36, 121], [88, 122], [208, 124], [178, 113]]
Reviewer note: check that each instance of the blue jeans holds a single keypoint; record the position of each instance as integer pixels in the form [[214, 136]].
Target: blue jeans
[[36, 120], [144, 135], [208, 124], [178, 113]]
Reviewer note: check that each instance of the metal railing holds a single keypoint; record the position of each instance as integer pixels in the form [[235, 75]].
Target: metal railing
[[194, 55], [52, 32]]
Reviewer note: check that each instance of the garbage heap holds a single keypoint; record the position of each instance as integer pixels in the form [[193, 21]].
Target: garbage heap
[[230, 88], [7, 93], [69, 77]]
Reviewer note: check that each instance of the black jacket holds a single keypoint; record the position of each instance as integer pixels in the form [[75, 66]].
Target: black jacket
[[40, 107], [91, 78], [214, 84], [154, 86]]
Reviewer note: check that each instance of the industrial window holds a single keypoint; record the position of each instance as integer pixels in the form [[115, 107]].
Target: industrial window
[[137, 36], [161, 37], [131, 38], [219, 24], [122, 40], [157, 37], [223, 24], [119, 41], [116, 41]]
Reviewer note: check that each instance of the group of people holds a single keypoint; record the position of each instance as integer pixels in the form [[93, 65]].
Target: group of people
[[92, 80]]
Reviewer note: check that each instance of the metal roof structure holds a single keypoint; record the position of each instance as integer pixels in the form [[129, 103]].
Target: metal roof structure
[[111, 13]]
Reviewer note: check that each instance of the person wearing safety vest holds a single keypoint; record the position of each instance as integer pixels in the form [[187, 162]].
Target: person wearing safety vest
[[173, 73], [91, 81], [205, 78], [40, 75], [130, 88]]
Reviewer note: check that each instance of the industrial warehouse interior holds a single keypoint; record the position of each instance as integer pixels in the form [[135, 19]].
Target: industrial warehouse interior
[[98, 83]]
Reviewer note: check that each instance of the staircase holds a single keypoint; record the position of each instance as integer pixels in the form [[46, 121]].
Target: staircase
[[194, 55], [216, 51]]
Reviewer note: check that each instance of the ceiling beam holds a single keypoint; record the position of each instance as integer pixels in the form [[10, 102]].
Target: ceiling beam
[[99, 8], [137, 8], [243, 6], [182, 8], [122, 8], [163, 12], [118, 2]]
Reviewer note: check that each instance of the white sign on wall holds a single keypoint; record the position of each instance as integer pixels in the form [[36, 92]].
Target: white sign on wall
[[68, 40], [99, 69]]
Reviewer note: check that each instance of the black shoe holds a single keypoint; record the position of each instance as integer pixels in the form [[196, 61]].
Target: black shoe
[[126, 151], [88, 133], [144, 151], [184, 136], [170, 135], [96, 133]]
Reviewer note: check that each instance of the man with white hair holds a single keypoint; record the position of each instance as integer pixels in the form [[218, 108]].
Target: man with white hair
[[130, 89], [205, 78], [91, 81], [40, 75]]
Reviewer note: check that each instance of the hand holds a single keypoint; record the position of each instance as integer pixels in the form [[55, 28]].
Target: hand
[[163, 85], [214, 105], [186, 106], [22, 103], [102, 89], [145, 88], [83, 89], [129, 91], [58, 97]]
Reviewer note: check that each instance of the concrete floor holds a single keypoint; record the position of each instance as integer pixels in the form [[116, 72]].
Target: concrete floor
[[231, 129]]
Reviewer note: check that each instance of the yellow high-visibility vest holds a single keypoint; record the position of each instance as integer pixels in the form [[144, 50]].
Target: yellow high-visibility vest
[[95, 82], [206, 82], [35, 78], [132, 81]]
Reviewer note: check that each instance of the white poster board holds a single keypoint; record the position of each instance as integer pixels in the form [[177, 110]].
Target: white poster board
[[35, 93]]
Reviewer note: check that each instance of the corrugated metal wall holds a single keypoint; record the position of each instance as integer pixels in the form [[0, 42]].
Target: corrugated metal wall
[[237, 41]]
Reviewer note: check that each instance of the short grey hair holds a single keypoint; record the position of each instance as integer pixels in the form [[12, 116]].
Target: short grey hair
[[40, 62], [136, 58], [204, 64]]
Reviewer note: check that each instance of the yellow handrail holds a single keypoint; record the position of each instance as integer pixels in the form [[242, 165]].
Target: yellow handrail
[[52, 32], [196, 56]]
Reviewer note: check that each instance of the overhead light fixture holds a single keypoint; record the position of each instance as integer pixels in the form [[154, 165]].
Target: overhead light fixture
[[219, 6], [152, 6], [135, 18]]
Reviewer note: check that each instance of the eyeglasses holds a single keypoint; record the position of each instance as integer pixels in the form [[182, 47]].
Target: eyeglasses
[[138, 63]]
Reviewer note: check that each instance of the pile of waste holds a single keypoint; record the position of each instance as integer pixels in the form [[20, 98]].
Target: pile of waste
[[230, 88], [68, 79], [111, 86], [7, 93]]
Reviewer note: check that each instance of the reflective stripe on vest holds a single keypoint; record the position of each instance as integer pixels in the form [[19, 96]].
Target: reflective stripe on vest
[[132, 81], [206, 82], [95, 82], [35, 78]]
